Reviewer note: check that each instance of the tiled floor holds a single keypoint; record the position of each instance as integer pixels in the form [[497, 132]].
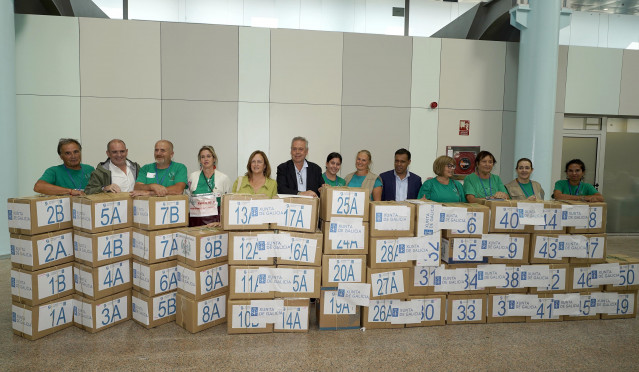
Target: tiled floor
[[581, 345]]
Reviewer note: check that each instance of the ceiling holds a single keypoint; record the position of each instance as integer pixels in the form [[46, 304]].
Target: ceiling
[[605, 6]]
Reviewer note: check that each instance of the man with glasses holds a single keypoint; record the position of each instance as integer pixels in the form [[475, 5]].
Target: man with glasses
[[164, 177], [399, 184], [299, 176], [68, 178]]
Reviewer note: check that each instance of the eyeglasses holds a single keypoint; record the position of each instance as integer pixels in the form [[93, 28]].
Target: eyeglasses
[[451, 166]]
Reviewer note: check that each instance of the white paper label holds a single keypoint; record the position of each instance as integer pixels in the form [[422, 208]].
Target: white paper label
[[113, 275], [54, 314], [531, 213], [267, 310], [111, 213], [392, 217], [111, 312], [452, 218], [474, 224], [83, 281], [625, 304], [211, 310], [302, 250], [214, 246], [293, 318], [249, 248], [287, 280], [387, 283], [142, 276], [424, 276], [164, 306], [140, 245], [383, 311], [427, 217], [452, 280], [467, 249], [491, 275], [425, 250], [251, 280], [467, 310], [545, 309], [534, 275], [499, 306], [275, 245], [21, 251], [387, 251], [166, 280], [513, 279], [55, 248], [141, 212], [408, 312], [557, 281], [297, 216], [567, 304], [169, 212], [596, 247], [19, 215], [335, 305], [186, 279], [113, 246], [242, 317], [605, 273], [345, 270], [507, 218], [21, 320], [214, 278], [21, 285], [552, 220], [582, 278], [54, 282], [348, 203], [521, 304], [606, 302], [346, 233], [547, 247], [53, 211], [140, 310], [166, 246], [573, 246], [575, 215], [83, 248]]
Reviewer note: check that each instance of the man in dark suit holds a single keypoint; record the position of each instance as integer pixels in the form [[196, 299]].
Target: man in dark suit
[[399, 183], [298, 176]]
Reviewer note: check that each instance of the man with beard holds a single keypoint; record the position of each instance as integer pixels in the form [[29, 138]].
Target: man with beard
[[164, 177]]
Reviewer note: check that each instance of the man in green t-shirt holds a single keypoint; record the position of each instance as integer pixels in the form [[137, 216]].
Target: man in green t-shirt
[[164, 177], [69, 178]]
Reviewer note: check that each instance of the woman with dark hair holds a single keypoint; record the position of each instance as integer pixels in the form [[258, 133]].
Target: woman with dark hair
[[443, 188], [333, 165], [257, 179], [482, 184], [574, 188], [522, 187], [206, 184]]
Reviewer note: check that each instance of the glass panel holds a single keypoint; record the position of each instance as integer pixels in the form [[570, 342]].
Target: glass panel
[[154, 10], [112, 8], [621, 176], [584, 148]]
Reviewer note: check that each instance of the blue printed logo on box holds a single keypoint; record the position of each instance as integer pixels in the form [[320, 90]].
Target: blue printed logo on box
[[75, 278], [135, 210], [261, 279], [594, 274], [520, 212], [524, 275], [402, 248], [480, 275], [13, 282], [428, 232], [378, 217], [133, 306], [438, 280], [75, 311], [179, 276], [13, 317], [564, 215], [593, 302], [484, 244], [442, 217], [333, 227], [511, 304], [13, 249], [254, 310], [253, 211], [135, 273], [10, 214], [341, 293], [561, 246], [555, 304], [261, 246], [395, 312]]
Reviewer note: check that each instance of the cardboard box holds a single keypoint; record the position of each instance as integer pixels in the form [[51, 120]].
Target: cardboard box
[[301, 214], [462, 251], [465, 309], [580, 277], [343, 269], [198, 315], [421, 280], [544, 249], [477, 220], [306, 249], [45, 285], [629, 270], [597, 218], [98, 282], [519, 251], [249, 282], [497, 310], [552, 217], [512, 278], [97, 315], [391, 218], [469, 279], [241, 321], [102, 248], [150, 312], [346, 235], [238, 212], [388, 283], [386, 254], [102, 212], [597, 249], [585, 309], [426, 214], [544, 311], [160, 212], [626, 306], [295, 318], [155, 246], [154, 279], [379, 314], [35, 252], [334, 314], [433, 310], [305, 281], [504, 217], [344, 202], [39, 214], [201, 246], [197, 283], [560, 279], [34, 322], [245, 248]]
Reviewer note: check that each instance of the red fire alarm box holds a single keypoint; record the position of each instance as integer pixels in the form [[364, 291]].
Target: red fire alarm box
[[464, 157]]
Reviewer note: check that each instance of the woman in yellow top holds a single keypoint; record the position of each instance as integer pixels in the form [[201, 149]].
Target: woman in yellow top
[[522, 187], [257, 179], [363, 177]]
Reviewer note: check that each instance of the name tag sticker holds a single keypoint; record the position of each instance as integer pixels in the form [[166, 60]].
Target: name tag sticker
[[150, 175]]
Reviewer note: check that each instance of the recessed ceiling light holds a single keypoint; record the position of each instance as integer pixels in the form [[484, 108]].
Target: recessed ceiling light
[[605, 8]]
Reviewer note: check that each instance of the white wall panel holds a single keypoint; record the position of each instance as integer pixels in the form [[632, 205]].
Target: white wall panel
[[41, 121], [507, 158], [511, 76], [562, 66], [628, 100], [593, 80], [425, 71], [623, 31], [584, 29], [254, 64], [472, 74], [306, 67], [252, 131], [47, 55], [423, 141], [135, 121]]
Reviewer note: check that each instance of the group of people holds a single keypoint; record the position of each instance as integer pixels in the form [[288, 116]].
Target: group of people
[[296, 176]]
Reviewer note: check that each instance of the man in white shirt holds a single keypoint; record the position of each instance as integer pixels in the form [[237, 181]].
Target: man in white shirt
[[117, 173]]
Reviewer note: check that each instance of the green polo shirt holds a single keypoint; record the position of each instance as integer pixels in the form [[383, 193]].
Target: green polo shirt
[[176, 172], [62, 176]]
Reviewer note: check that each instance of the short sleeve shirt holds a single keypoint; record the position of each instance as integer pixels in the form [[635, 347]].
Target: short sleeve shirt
[[339, 181], [175, 173], [480, 188], [584, 188], [435, 191], [62, 176]]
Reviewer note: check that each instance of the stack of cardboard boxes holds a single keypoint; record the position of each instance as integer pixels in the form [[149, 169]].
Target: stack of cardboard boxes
[[155, 246], [203, 278], [41, 241], [344, 221], [274, 256], [102, 268]]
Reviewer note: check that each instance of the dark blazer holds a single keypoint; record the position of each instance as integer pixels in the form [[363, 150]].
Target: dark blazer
[[287, 178], [388, 188]]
